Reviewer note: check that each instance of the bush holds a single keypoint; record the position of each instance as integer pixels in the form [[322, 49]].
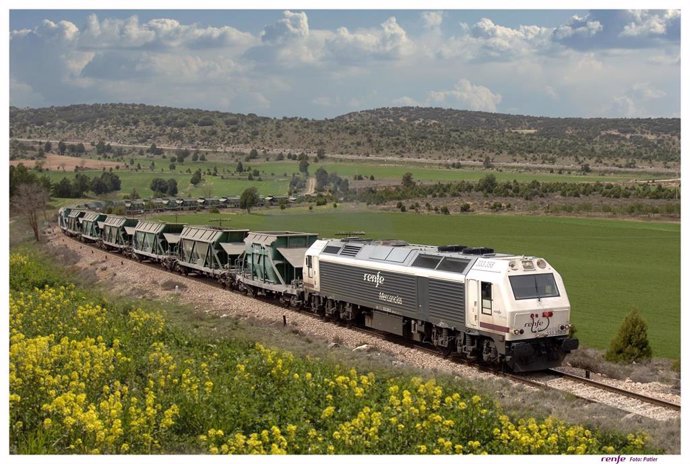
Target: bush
[[631, 343]]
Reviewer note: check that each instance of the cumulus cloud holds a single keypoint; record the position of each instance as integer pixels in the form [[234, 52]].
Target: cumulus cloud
[[389, 41], [633, 102], [620, 29], [292, 26], [487, 41], [466, 95], [432, 19], [582, 63], [157, 33]]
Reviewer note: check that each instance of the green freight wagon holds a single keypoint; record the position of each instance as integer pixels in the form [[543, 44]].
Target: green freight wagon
[[91, 224], [118, 232], [156, 241], [63, 214], [210, 251], [272, 262], [74, 222]]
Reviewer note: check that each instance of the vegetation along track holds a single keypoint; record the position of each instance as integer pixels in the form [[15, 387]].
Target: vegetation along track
[[652, 407], [587, 389]]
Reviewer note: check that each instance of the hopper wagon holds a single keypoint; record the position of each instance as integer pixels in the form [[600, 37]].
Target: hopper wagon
[[209, 251], [91, 224], [156, 241], [272, 263], [118, 232]]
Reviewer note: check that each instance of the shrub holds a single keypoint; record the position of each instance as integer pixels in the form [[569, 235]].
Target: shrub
[[631, 343]]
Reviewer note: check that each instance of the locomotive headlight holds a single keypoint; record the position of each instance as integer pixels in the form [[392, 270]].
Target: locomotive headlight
[[541, 263]]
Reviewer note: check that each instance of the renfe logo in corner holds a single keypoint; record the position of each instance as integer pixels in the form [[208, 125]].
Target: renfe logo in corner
[[376, 278]]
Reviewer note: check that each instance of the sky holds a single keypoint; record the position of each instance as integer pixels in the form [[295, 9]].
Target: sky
[[324, 63]]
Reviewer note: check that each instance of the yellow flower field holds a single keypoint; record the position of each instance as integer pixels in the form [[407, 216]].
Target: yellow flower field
[[90, 377]]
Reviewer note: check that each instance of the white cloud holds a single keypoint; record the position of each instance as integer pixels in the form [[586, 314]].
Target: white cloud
[[157, 33], [650, 23], [432, 19], [578, 27], [634, 101], [291, 68], [405, 101], [389, 41], [293, 26], [620, 29], [468, 96], [488, 41]]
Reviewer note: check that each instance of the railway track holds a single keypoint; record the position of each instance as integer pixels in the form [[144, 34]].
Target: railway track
[[599, 392], [554, 379]]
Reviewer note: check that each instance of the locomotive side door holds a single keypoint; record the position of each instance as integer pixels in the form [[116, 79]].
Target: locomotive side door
[[472, 288]]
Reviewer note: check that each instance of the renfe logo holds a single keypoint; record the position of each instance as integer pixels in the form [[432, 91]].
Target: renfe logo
[[376, 278]]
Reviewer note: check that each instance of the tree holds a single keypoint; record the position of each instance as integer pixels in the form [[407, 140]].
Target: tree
[[47, 147], [304, 167], [98, 186], [240, 167], [321, 179], [320, 153], [631, 343], [29, 200], [172, 187], [249, 198], [487, 184], [408, 181], [159, 186], [62, 146], [195, 156], [63, 189], [196, 177]]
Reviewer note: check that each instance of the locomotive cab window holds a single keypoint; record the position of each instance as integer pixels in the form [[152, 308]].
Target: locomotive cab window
[[532, 286], [309, 261], [486, 298]]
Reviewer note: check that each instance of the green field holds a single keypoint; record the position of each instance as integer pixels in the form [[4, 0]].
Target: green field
[[395, 171], [609, 266], [276, 175]]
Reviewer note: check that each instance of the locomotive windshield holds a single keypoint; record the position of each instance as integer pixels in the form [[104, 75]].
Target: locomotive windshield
[[533, 286]]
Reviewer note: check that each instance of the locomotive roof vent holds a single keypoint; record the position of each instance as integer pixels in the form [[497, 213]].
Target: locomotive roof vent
[[350, 250], [451, 248], [478, 251], [394, 243]]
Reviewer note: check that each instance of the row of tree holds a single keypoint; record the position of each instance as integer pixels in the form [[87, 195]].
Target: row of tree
[[76, 188], [491, 187]]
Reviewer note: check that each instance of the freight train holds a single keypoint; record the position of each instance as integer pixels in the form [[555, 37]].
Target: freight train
[[502, 309]]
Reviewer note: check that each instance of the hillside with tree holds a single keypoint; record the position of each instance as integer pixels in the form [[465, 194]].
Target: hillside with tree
[[399, 132]]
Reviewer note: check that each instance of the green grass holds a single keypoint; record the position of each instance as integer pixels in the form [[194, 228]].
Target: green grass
[[395, 171], [610, 267], [276, 175]]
